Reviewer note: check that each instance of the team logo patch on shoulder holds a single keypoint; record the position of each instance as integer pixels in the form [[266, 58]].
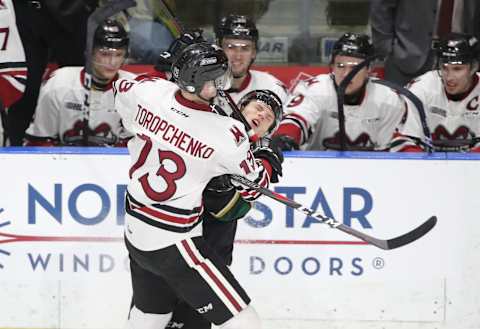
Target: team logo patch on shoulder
[[74, 106], [438, 111], [238, 136]]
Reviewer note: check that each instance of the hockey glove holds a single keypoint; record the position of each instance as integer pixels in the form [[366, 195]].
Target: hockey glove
[[220, 184], [166, 58], [164, 62], [274, 157], [284, 143]]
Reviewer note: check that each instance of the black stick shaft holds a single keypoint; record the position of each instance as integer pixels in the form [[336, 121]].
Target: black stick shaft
[[397, 242]]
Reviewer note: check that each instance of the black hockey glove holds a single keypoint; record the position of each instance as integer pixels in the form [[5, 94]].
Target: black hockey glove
[[284, 143], [220, 184], [165, 59], [274, 157], [186, 39], [164, 62]]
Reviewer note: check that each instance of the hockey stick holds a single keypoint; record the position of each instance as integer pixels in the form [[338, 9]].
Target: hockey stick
[[170, 20], [341, 98], [418, 105], [99, 15], [388, 244]]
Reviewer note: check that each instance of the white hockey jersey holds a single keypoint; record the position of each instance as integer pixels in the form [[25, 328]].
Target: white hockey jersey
[[311, 116], [253, 81], [177, 148], [454, 125], [13, 68], [60, 117]]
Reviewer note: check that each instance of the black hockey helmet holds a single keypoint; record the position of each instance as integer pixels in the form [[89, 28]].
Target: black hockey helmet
[[268, 97], [110, 34], [458, 48], [236, 27], [354, 45], [199, 63]]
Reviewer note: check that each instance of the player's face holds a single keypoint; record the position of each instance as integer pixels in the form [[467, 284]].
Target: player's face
[[457, 78], [342, 65], [260, 117], [240, 55], [106, 62]]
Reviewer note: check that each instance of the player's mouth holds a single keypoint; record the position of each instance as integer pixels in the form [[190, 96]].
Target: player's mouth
[[237, 64], [255, 123]]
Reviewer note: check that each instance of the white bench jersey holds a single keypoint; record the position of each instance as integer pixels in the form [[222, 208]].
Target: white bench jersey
[[13, 68], [312, 111], [450, 121], [61, 115]]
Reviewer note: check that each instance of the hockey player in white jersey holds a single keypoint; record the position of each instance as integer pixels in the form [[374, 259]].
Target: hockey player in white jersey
[[61, 117], [451, 99], [223, 206], [372, 111], [13, 68], [179, 145], [238, 36]]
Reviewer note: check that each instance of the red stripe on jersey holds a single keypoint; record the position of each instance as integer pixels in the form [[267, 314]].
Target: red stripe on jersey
[[212, 275], [15, 72]]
